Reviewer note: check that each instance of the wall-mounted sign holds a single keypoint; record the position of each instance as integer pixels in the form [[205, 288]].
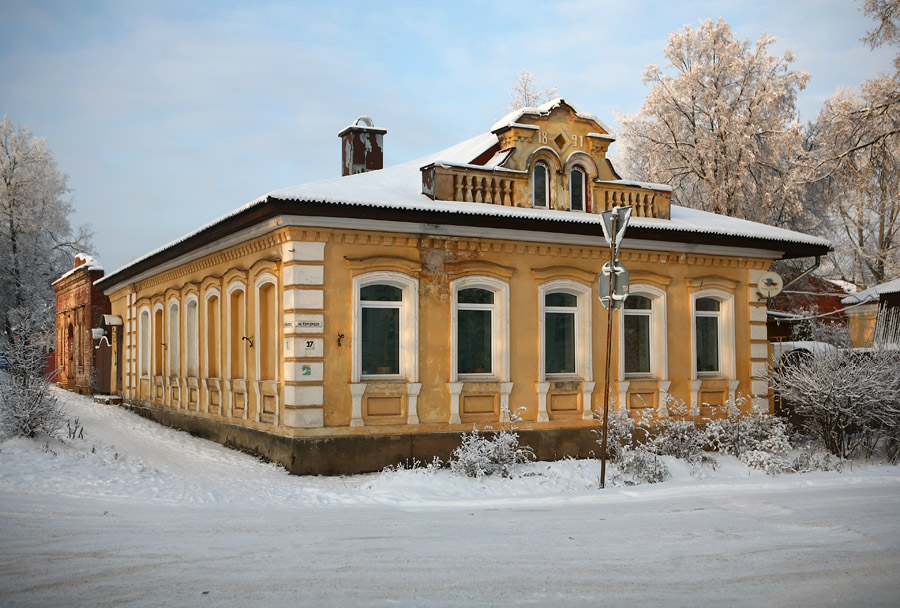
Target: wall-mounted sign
[[770, 284]]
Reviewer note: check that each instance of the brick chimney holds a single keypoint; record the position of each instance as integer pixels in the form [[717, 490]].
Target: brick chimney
[[362, 147]]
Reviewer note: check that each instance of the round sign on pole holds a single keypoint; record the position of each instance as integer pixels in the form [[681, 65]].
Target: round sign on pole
[[770, 284]]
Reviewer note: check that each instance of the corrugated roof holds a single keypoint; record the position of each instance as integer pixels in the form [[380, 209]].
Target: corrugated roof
[[873, 293]]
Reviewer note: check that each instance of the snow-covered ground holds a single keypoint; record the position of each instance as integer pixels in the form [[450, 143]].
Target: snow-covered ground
[[138, 514]]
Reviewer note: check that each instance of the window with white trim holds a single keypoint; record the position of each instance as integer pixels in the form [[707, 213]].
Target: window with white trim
[[565, 330], [559, 332], [708, 321], [643, 337], [712, 320], [636, 327], [540, 184], [480, 332], [576, 188], [385, 327], [380, 323]]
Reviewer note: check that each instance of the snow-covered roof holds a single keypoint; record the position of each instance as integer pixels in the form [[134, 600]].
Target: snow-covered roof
[[512, 119], [873, 293], [88, 262], [400, 187]]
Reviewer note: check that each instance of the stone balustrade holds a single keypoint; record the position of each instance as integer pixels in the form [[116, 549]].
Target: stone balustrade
[[473, 184]]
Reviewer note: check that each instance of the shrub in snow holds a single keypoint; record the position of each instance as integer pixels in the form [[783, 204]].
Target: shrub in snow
[[681, 436], [759, 440], [26, 406], [497, 453], [638, 464], [627, 448], [849, 400], [771, 463], [810, 459]]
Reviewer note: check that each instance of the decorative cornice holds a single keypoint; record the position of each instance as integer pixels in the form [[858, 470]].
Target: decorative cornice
[[564, 272], [387, 263], [712, 280], [465, 268]]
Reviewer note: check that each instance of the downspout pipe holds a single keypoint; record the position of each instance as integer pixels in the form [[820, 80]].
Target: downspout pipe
[[803, 274]]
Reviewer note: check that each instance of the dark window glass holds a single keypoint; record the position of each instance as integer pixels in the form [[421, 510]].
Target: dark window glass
[[380, 340], [475, 296], [707, 305], [637, 303], [540, 186], [560, 299], [637, 343], [473, 355], [576, 189], [707, 343], [559, 342], [381, 293]]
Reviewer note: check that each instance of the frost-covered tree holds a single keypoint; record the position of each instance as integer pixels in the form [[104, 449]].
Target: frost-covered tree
[[855, 149], [37, 242], [26, 405], [850, 400], [720, 125], [526, 93]]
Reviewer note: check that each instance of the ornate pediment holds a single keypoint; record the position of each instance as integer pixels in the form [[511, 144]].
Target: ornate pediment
[[552, 157]]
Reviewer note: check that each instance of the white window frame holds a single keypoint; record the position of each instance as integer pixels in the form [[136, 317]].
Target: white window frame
[[583, 343], [499, 327], [726, 333], [409, 325], [583, 172], [267, 278], [212, 293], [659, 359], [546, 167], [173, 334], [145, 340]]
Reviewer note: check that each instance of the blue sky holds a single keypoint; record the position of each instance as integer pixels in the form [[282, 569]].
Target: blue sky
[[166, 115]]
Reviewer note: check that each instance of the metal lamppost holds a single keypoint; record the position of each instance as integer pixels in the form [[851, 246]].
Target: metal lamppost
[[613, 290]]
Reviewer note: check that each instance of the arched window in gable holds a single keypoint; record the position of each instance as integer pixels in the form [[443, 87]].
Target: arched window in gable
[[540, 184], [576, 188]]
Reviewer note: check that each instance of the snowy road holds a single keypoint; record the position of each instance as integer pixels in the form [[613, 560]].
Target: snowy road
[[137, 514]]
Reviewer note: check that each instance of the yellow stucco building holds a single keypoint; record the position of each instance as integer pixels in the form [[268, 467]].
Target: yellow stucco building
[[346, 324]]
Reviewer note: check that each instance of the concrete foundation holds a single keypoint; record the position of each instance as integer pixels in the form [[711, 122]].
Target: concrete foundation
[[359, 453]]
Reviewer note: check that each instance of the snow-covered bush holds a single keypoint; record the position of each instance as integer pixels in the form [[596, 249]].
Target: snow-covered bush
[[739, 432], [810, 459], [490, 454], [680, 436], [850, 400], [638, 464], [26, 406], [769, 462]]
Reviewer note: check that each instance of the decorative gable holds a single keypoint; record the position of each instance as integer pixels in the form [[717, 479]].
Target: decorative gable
[[551, 157]]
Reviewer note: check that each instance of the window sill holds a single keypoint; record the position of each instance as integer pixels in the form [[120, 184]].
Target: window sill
[[563, 378], [477, 378], [383, 378], [638, 376]]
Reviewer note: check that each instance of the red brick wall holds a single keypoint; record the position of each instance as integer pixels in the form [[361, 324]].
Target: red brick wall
[[81, 305]]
